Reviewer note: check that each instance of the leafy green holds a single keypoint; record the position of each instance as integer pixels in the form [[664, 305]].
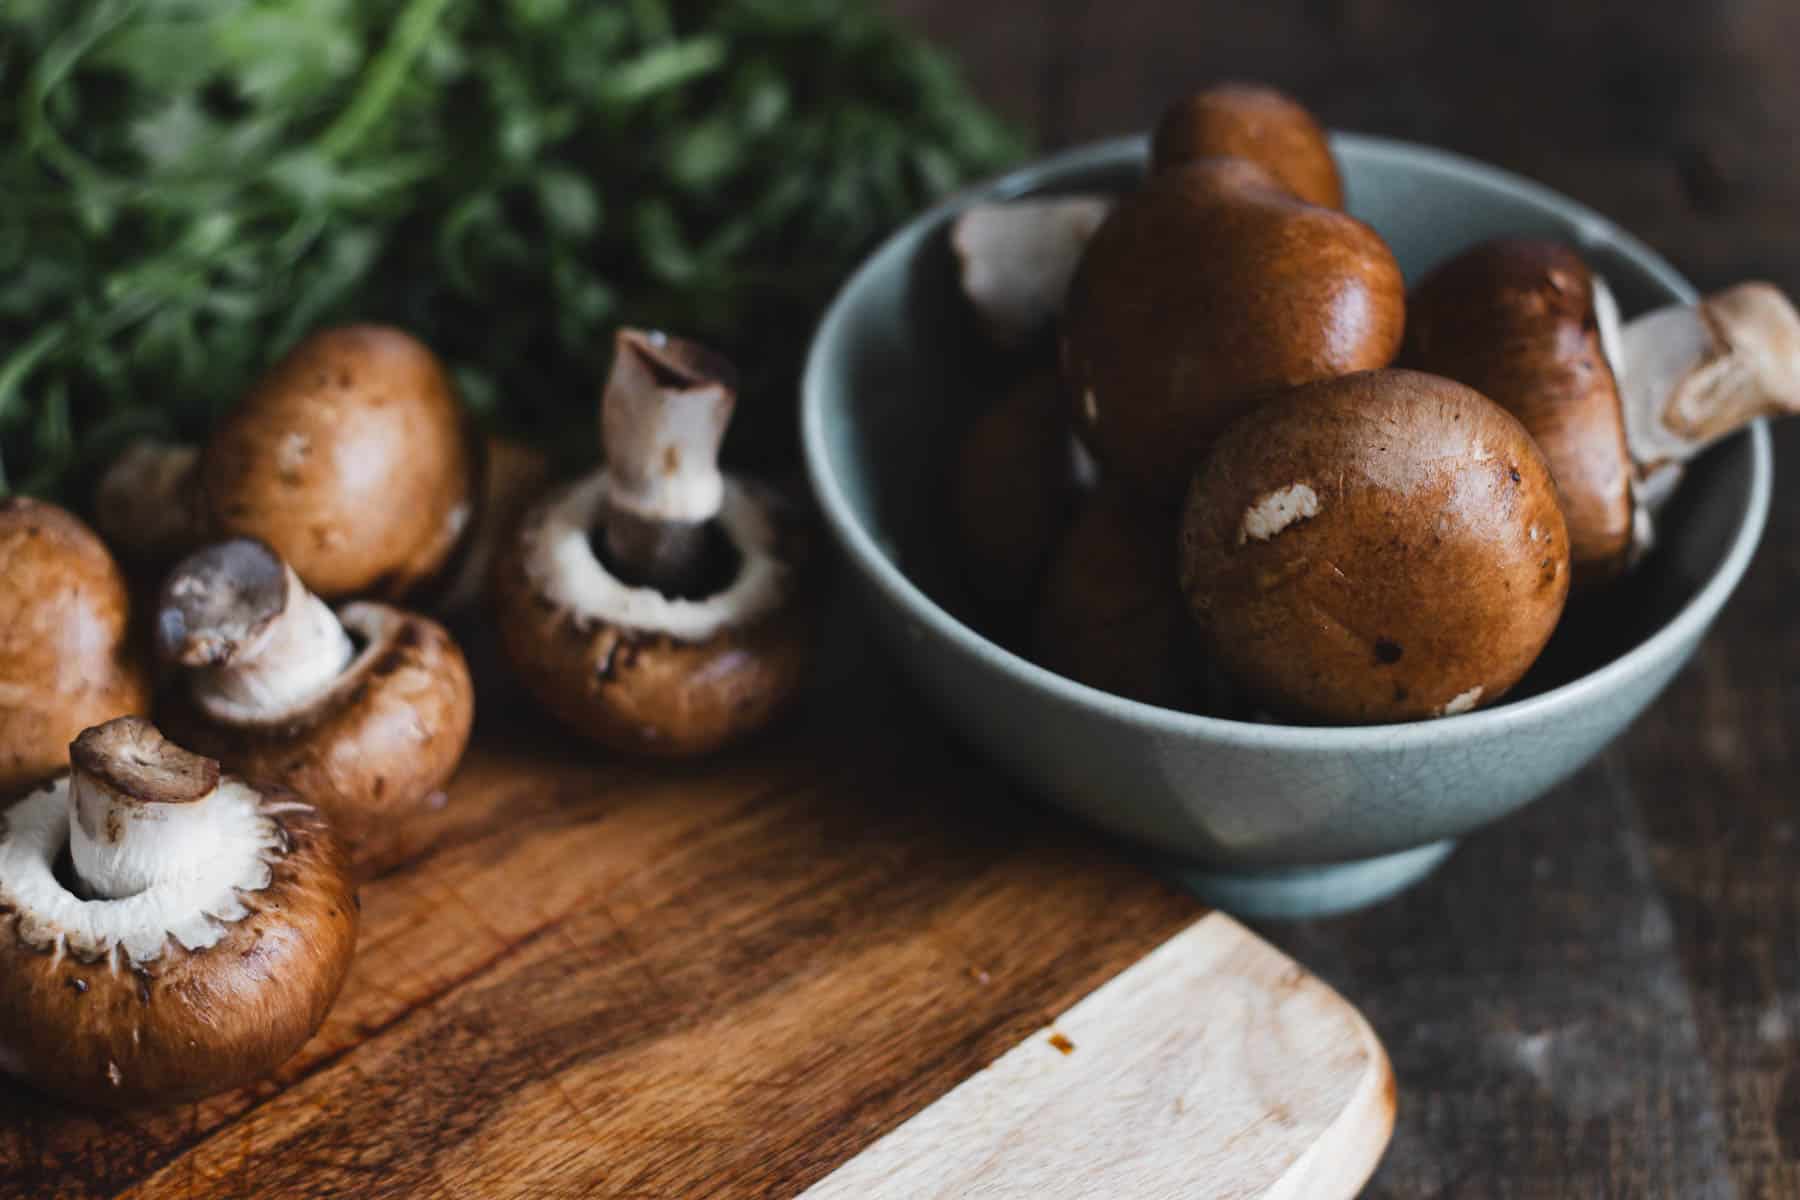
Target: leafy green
[[187, 186]]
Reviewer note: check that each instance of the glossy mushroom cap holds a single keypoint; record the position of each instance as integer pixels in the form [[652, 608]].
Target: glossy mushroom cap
[[1206, 290], [352, 458], [364, 713], [1515, 319], [199, 938], [1013, 493], [1111, 613], [1385, 546], [67, 659], [1261, 124]]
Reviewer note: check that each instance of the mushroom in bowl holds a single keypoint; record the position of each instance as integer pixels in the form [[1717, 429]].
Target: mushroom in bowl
[[1617, 407], [658, 605], [1378, 547], [166, 931], [1269, 818], [364, 712]]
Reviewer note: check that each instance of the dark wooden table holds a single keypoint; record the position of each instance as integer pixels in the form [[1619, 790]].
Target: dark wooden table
[[1601, 996]]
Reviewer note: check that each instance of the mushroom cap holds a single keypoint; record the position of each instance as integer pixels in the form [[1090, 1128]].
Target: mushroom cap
[[374, 751], [144, 505], [1111, 615], [1013, 492], [67, 657], [1381, 547], [1515, 319], [95, 1026], [352, 458], [1205, 290], [1247, 120], [512, 476], [646, 673]]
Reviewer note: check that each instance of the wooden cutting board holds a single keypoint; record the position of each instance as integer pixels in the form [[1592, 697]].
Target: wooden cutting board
[[848, 962]]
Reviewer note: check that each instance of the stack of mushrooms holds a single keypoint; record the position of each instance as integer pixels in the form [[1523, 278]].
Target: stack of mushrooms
[[198, 874], [1240, 471]]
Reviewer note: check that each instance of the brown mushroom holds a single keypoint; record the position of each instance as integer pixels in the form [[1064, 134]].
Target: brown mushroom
[[1515, 319], [1247, 120], [1013, 492], [1207, 289], [1111, 614], [147, 503], [657, 605], [67, 659], [350, 456], [1617, 410], [166, 932], [1379, 547], [1016, 258], [512, 476], [364, 713]]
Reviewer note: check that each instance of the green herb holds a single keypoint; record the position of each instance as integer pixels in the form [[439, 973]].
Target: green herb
[[187, 186]]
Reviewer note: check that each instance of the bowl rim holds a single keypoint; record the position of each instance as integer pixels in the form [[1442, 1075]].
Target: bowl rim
[[1591, 230]]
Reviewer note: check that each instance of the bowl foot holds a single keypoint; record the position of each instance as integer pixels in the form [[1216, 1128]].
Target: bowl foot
[[1291, 893]]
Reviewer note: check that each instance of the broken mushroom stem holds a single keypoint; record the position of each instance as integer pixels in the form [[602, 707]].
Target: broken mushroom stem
[[663, 414], [255, 639], [1690, 374], [140, 809], [1017, 256]]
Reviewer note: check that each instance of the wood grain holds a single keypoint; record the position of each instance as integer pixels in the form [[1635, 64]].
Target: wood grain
[[1602, 995], [615, 980], [1213, 1064]]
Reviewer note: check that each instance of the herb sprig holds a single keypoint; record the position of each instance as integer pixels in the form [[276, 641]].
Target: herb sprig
[[187, 186]]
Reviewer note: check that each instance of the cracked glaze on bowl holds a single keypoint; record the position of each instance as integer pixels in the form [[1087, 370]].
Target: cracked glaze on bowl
[[886, 392]]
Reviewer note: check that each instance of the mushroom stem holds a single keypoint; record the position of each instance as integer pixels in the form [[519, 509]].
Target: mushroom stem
[[1018, 256], [258, 643], [662, 417], [140, 810], [1691, 374], [145, 504]]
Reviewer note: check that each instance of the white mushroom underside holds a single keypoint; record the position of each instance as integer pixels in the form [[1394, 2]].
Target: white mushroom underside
[[193, 910], [563, 567]]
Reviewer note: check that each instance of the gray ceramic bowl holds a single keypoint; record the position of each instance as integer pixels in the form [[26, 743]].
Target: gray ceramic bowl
[[1263, 819]]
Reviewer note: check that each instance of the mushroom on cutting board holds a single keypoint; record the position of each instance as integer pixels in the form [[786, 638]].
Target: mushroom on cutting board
[[1250, 121], [166, 932], [1378, 547], [1013, 492], [1111, 615], [1206, 290], [512, 476], [1616, 410], [350, 456], [657, 605], [67, 657], [364, 712]]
